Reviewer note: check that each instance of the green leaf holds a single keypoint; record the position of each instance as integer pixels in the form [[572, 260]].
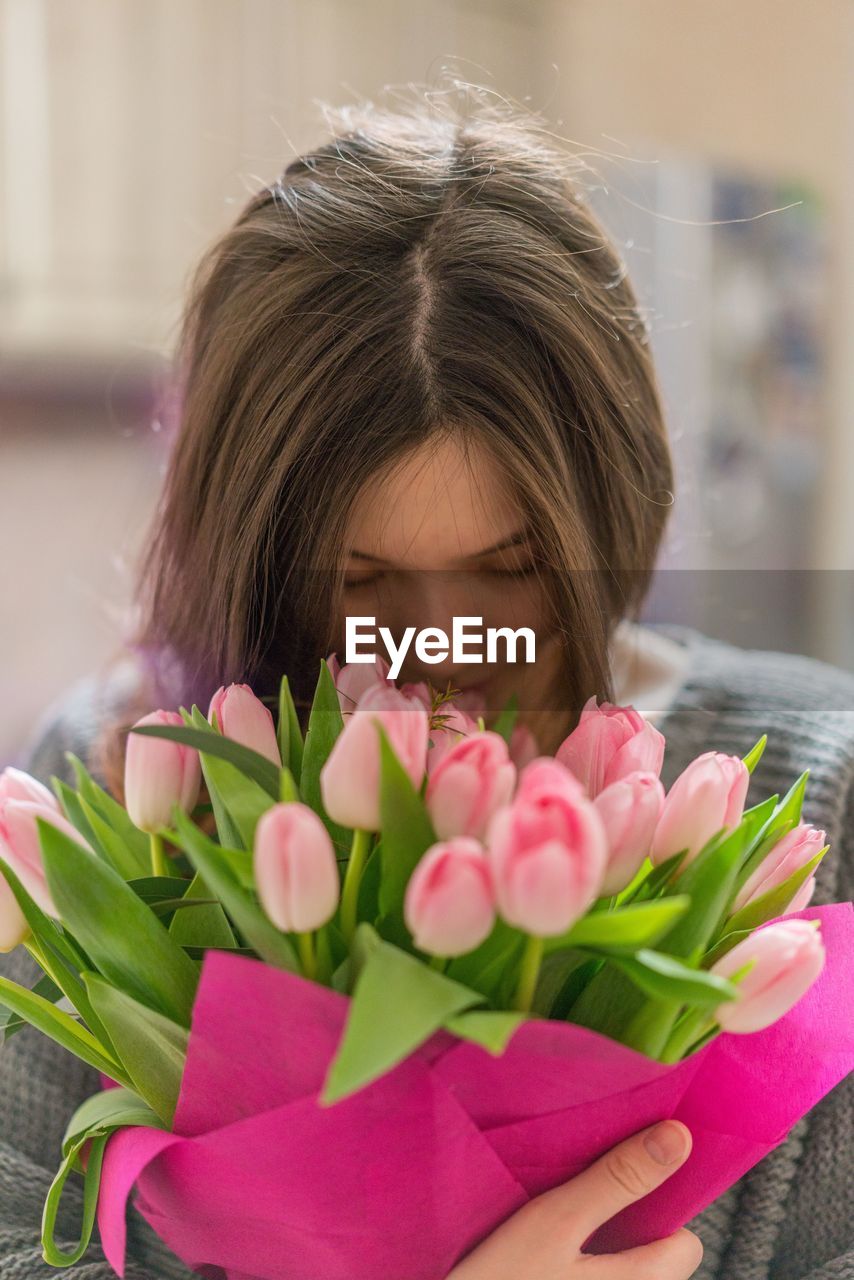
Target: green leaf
[[238, 800], [250, 764], [774, 902], [94, 1121], [407, 831], [10, 1022], [289, 731], [397, 1004], [649, 885], [59, 1026], [325, 723], [202, 926], [709, 882], [112, 812], [152, 1049], [624, 928], [663, 977], [72, 806], [114, 1107], [492, 1029], [751, 760], [505, 721], [117, 851], [723, 945], [781, 820], [563, 976], [51, 950], [125, 940], [268, 941], [485, 968]]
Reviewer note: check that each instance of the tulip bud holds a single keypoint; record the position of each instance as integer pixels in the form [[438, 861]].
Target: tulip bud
[[454, 726], [610, 742], [548, 852], [13, 924], [523, 746], [473, 779], [789, 956], [159, 774], [20, 846], [788, 855], [296, 873], [449, 905], [355, 678], [15, 784], [546, 774], [244, 718], [630, 810], [350, 778], [707, 797]]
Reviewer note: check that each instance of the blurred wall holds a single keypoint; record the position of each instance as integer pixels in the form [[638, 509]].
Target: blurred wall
[[130, 134], [767, 87]]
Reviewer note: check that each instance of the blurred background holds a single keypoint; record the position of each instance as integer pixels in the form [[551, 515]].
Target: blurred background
[[131, 133]]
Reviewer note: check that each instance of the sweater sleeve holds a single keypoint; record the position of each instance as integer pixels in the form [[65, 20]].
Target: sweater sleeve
[[41, 1084], [816, 1239]]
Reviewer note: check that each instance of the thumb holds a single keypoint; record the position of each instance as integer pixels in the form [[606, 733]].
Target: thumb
[[624, 1174]]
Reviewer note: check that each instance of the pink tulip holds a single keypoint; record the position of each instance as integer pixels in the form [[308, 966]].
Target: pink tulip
[[548, 851], [244, 718], [159, 774], [296, 873], [473, 779], [350, 778], [20, 846], [455, 726], [354, 678], [788, 955], [787, 856], [17, 785], [707, 797], [610, 742], [545, 773], [449, 905], [13, 924], [523, 746], [802, 898], [630, 810]]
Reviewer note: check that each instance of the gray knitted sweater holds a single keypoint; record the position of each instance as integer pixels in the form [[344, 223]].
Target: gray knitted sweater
[[788, 1218]]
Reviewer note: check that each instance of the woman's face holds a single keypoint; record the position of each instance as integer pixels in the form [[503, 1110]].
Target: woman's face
[[439, 537]]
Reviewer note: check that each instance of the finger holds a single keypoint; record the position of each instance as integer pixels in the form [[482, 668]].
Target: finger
[[622, 1175], [674, 1257]]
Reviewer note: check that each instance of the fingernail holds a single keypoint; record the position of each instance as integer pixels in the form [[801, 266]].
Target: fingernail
[[666, 1143]]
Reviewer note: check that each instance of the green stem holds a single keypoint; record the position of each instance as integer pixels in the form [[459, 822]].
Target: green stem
[[308, 959], [691, 1028], [324, 957], [438, 963], [352, 876], [159, 865], [529, 971]]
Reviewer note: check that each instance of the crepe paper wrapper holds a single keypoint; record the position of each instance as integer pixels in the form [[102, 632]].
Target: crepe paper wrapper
[[404, 1177]]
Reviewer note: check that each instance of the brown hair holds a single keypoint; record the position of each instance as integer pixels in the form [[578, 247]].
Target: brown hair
[[429, 269]]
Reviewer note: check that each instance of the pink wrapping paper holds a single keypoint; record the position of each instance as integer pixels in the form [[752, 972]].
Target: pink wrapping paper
[[400, 1180]]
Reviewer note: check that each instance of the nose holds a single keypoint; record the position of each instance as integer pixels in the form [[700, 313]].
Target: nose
[[432, 601]]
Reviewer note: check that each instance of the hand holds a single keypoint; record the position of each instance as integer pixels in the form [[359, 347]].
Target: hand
[[543, 1239]]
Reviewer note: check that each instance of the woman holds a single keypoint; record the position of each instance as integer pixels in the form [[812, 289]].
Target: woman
[[415, 384]]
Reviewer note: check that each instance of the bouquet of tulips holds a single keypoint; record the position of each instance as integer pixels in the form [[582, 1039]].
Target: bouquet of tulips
[[392, 978]]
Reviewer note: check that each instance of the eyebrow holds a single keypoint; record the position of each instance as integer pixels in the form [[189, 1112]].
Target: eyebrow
[[512, 540]]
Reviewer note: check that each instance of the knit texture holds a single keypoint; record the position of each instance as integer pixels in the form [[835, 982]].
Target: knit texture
[[788, 1218]]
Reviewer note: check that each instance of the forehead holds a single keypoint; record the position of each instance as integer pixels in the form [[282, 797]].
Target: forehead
[[439, 504]]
